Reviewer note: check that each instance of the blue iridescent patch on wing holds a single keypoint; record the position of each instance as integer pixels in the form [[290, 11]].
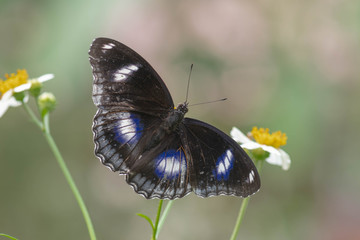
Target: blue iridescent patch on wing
[[129, 129], [224, 164], [170, 164]]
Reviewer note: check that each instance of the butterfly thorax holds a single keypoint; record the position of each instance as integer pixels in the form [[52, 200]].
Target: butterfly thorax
[[169, 124], [174, 118]]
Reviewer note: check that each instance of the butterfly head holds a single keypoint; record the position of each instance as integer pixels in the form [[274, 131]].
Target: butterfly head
[[182, 107]]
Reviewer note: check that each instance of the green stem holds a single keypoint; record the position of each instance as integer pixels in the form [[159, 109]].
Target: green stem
[[8, 236], [156, 225], [71, 182], [240, 217], [259, 164], [33, 116], [244, 205], [44, 126], [163, 216]]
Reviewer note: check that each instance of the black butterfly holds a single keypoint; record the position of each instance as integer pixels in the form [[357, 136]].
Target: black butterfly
[[139, 132]]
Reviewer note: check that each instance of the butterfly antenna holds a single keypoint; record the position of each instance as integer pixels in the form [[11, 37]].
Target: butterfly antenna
[[187, 90], [219, 100]]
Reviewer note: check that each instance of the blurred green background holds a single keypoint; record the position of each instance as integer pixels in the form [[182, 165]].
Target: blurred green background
[[287, 65]]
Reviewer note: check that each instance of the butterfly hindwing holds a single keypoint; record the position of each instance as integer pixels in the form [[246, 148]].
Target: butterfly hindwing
[[220, 165], [165, 173], [117, 136]]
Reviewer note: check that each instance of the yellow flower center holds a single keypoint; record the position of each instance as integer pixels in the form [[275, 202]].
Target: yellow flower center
[[13, 80], [262, 136]]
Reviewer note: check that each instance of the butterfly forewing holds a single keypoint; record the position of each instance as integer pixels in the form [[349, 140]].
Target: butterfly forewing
[[124, 80]]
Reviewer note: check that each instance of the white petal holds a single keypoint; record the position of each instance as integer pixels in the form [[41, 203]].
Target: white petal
[[270, 149], [4, 102], [279, 157], [238, 136], [13, 103], [275, 158], [285, 160], [22, 87], [45, 77], [251, 145], [6, 96]]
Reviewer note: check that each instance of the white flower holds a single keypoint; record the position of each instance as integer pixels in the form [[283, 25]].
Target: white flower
[[17, 83], [277, 155], [8, 100]]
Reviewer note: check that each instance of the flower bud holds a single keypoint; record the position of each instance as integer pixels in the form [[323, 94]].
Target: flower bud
[[47, 102], [35, 88]]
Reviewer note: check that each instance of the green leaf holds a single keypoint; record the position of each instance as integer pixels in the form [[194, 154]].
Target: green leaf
[[147, 218]]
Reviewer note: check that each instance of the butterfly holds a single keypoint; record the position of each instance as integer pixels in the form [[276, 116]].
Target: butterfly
[[139, 133]]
